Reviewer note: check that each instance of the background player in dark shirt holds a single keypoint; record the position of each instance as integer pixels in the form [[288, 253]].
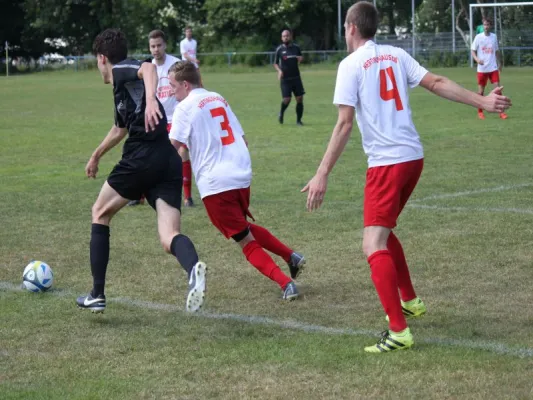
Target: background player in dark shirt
[[288, 56], [149, 165]]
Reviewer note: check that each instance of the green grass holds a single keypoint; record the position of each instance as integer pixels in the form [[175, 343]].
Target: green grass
[[470, 258]]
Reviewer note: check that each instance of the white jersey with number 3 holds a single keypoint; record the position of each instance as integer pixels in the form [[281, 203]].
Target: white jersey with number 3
[[219, 156], [375, 80]]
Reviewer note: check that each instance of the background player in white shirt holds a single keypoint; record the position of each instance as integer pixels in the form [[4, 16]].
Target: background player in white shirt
[[222, 167], [188, 47], [486, 53], [165, 94], [373, 82]]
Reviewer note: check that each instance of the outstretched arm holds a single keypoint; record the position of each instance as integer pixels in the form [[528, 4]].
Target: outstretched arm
[[448, 89], [114, 137]]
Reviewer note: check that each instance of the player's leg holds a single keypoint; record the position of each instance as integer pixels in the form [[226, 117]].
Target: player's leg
[[268, 241], [187, 176], [286, 99], [495, 80], [181, 247], [108, 203], [299, 92], [481, 82], [381, 207]]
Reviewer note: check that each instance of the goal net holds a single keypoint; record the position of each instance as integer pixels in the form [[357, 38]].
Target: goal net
[[512, 24]]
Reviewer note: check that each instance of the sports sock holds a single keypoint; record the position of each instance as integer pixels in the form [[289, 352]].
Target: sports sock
[[407, 292], [386, 283], [480, 110], [269, 242], [258, 257], [187, 178], [299, 111], [283, 108], [183, 249], [99, 255]]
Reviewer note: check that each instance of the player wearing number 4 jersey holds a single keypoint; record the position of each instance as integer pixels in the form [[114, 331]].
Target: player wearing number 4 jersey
[[372, 83], [222, 168]]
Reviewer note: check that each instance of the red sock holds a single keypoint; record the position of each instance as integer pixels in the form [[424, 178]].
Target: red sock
[[479, 110], [258, 257], [187, 179], [386, 283], [407, 292], [269, 242]]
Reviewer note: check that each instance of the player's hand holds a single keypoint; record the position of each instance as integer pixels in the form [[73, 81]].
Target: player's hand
[[496, 102], [280, 75], [480, 62], [91, 169], [152, 114], [317, 190]]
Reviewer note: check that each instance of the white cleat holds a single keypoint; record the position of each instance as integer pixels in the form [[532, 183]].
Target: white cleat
[[197, 283]]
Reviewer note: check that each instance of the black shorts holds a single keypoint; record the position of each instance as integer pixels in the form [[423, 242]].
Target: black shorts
[[292, 85], [153, 170]]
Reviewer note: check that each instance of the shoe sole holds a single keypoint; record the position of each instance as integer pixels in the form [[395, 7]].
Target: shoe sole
[[291, 297], [94, 310], [196, 296], [300, 267]]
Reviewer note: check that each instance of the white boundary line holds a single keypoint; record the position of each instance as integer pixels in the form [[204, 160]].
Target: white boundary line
[[475, 209], [493, 347], [470, 192]]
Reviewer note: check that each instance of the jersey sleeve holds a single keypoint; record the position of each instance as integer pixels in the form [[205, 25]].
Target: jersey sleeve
[[122, 74], [276, 58], [415, 72], [119, 121], [474, 44], [346, 85], [181, 129]]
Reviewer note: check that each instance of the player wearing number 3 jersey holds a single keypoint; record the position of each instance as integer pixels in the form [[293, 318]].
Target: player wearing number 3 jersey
[[373, 83], [222, 167]]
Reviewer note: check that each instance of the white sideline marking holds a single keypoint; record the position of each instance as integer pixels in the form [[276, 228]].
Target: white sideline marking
[[471, 192], [478, 209], [493, 347]]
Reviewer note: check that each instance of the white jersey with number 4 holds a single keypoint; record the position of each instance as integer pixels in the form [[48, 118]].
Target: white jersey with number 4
[[485, 48], [219, 156], [188, 47], [375, 80], [165, 93]]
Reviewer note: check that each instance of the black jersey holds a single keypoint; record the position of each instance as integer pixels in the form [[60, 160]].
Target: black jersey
[[287, 59], [130, 104]]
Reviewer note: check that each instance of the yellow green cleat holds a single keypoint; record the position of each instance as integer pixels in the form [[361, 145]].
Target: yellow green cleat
[[412, 308], [392, 341]]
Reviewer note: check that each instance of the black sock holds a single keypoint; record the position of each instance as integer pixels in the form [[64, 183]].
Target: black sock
[[299, 111], [283, 108], [99, 251], [183, 249]]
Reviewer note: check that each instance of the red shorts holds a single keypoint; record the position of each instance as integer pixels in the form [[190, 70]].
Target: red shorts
[[228, 211], [169, 127], [387, 190], [483, 77]]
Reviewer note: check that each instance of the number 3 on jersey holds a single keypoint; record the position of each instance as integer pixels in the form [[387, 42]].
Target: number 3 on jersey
[[224, 125], [391, 93]]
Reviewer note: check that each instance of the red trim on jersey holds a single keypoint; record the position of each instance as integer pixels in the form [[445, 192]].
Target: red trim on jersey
[[387, 190], [228, 211], [483, 77]]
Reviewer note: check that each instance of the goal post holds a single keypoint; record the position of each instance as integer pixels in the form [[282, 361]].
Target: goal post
[[497, 18]]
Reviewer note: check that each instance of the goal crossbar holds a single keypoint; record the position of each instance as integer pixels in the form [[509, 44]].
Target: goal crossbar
[[493, 5]]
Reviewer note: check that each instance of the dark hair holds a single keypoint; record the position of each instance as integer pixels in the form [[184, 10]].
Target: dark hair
[[188, 28], [185, 71], [156, 34], [111, 43], [365, 17], [488, 20]]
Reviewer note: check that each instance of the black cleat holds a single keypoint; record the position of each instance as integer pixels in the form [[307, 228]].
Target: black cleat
[[299, 123], [280, 118], [95, 304], [296, 265]]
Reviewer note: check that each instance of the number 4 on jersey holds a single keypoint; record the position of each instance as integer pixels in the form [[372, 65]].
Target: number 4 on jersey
[[224, 125], [391, 93]]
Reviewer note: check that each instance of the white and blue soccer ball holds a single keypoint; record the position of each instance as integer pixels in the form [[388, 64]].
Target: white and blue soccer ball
[[37, 277]]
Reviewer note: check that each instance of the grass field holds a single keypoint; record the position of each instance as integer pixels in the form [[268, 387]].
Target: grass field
[[467, 234]]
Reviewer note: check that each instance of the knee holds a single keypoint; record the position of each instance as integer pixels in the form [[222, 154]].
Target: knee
[[100, 215], [370, 246], [299, 99], [286, 100], [166, 241]]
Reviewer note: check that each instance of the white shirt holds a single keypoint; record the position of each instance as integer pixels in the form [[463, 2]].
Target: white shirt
[[165, 93], [375, 80], [188, 47], [485, 48], [219, 156]]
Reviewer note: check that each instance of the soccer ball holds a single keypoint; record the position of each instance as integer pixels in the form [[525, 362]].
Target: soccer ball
[[37, 277]]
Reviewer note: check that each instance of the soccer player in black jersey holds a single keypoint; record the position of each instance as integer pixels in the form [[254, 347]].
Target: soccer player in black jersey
[[149, 165], [288, 56]]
